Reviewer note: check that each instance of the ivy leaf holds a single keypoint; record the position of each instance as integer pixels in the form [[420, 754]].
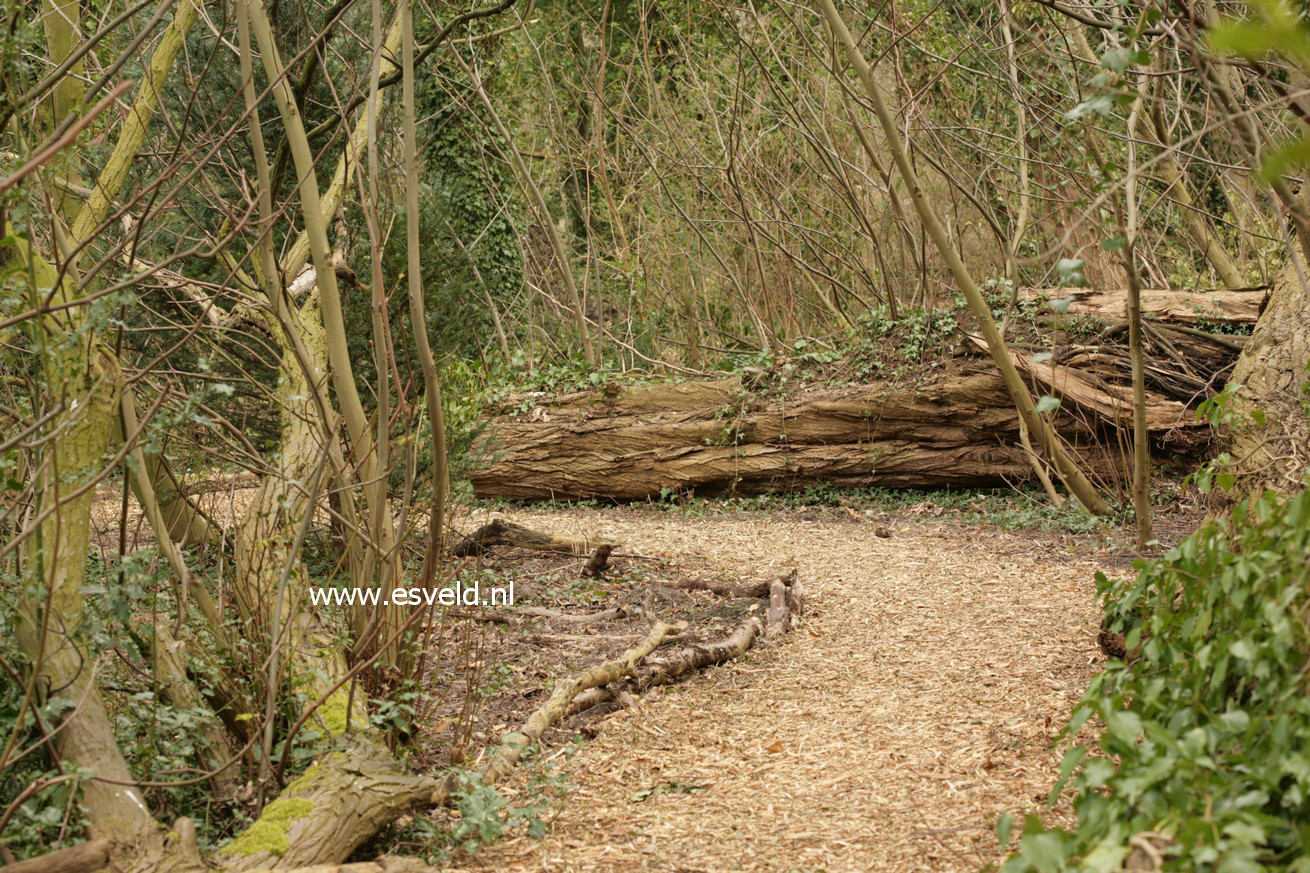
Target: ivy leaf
[[1004, 825], [1118, 59]]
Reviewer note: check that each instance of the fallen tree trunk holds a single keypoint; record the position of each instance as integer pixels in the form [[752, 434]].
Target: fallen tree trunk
[[1217, 306], [719, 437]]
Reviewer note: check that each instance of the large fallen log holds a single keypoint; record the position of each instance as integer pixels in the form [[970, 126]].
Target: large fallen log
[[719, 436], [1217, 306]]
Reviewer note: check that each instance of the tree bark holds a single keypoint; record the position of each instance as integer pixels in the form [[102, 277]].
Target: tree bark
[[1269, 438], [713, 437]]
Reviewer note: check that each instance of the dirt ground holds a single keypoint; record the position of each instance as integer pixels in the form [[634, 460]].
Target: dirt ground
[[917, 701]]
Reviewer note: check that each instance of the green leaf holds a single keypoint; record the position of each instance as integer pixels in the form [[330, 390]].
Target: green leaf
[[1118, 59], [1047, 403], [1044, 852], [1072, 759], [1004, 825]]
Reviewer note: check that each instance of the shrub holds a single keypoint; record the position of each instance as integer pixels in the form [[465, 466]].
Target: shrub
[[1204, 756]]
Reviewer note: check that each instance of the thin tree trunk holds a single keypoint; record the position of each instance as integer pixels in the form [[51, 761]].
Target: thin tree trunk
[[1073, 477], [1141, 438], [543, 215], [417, 309]]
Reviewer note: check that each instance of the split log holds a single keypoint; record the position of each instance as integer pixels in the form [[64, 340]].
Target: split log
[[1217, 306], [503, 533], [717, 437]]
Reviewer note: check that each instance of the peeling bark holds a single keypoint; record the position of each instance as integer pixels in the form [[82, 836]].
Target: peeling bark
[[716, 437]]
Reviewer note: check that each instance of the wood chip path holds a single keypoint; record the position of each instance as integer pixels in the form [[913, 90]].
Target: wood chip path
[[917, 701]]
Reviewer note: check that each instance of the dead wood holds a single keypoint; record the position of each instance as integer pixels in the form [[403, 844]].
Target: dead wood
[[665, 668], [575, 618], [758, 588], [331, 809], [598, 563], [498, 617], [91, 855], [1217, 306], [512, 745], [958, 430], [381, 865], [1109, 402], [778, 616], [502, 533]]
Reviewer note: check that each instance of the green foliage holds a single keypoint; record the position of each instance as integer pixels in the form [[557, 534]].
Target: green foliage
[[50, 818], [1275, 28], [1206, 728], [485, 815]]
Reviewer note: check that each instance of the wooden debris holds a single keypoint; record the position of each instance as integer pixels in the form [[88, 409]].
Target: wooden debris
[[598, 563], [959, 430], [778, 616], [1217, 306], [502, 533]]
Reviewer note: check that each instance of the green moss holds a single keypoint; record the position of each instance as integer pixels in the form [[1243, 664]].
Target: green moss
[[335, 711], [269, 833]]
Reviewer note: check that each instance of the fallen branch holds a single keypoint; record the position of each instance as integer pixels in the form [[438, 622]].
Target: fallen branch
[[512, 745], [758, 588], [498, 617], [582, 618]]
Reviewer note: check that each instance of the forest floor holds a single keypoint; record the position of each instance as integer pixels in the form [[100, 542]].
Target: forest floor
[[918, 700]]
